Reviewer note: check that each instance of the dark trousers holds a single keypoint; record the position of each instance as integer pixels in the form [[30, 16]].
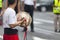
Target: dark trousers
[[30, 9]]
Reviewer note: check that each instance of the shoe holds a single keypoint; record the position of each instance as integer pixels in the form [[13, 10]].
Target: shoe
[[55, 30]]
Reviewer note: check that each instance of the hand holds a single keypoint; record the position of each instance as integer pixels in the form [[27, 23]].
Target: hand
[[22, 9], [34, 8], [24, 24], [25, 29], [2, 12], [21, 21]]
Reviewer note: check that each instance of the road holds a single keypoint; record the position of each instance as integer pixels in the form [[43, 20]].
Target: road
[[43, 26]]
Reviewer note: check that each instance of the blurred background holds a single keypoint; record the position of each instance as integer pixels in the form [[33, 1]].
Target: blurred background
[[44, 5], [43, 23]]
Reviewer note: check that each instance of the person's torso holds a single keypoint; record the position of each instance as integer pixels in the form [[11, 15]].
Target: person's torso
[[6, 17], [1, 3], [56, 8], [57, 3], [29, 2]]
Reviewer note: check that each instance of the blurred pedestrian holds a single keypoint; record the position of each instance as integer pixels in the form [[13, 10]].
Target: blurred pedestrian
[[17, 8], [1, 8], [56, 11], [1, 5], [29, 6], [10, 22]]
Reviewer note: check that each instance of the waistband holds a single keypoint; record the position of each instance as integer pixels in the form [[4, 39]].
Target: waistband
[[10, 31], [57, 13], [28, 5]]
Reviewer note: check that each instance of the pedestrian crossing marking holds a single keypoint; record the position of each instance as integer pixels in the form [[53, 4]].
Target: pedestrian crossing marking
[[37, 38], [1, 36]]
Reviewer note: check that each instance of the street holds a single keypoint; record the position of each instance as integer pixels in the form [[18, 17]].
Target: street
[[43, 27]]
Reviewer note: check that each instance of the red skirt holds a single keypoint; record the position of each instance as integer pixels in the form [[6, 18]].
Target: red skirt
[[10, 37]]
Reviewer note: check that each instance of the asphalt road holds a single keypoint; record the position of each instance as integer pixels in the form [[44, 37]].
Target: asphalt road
[[43, 26]]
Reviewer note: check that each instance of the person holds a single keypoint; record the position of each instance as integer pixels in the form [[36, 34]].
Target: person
[[28, 6], [56, 11], [1, 8], [1, 3], [17, 8], [10, 22]]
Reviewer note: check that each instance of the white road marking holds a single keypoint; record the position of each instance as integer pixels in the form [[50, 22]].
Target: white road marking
[[47, 32], [36, 22], [37, 38], [44, 31], [1, 36], [43, 20]]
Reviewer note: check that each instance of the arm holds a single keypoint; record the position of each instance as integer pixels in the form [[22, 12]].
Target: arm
[[22, 5], [34, 3], [6, 3], [16, 24], [2, 12], [18, 5], [13, 21], [3, 9]]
